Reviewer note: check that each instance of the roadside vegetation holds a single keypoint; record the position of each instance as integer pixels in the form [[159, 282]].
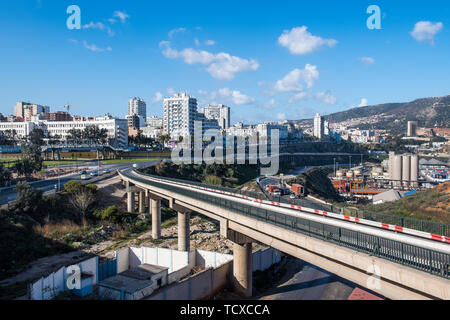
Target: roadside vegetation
[[36, 226], [433, 204], [214, 174]]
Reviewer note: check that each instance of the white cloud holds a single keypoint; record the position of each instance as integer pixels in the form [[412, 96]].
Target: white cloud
[[94, 48], [367, 60], [363, 103], [221, 65], [170, 91], [197, 42], [291, 81], [326, 97], [299, 96], [225, 94], [210, 42], [299, 41], [424, 31], [121, 15], [174, 31], [94, 25], [236, 96], [281, 116], [100, 26], [158, 97]]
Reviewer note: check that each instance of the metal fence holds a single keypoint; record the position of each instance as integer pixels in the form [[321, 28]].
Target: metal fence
[[405, 222], [427, 260]]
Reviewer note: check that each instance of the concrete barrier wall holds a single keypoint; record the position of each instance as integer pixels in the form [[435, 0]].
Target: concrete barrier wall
[[172, 259], [48, 287], [207, 259], [264, 259], [123, 259], [199, 286]]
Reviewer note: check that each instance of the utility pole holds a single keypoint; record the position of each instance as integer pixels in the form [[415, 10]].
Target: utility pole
[[334, 160]]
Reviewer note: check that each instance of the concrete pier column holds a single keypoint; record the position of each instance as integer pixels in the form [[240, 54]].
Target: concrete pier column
[[155, 209], [242, 268], [141, 201], [130, 201], [184, 231]]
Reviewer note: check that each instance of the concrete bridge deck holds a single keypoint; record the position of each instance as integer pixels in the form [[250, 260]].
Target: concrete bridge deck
[[395, 269]]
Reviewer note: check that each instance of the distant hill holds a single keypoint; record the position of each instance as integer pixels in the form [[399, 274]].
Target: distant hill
[[429, 112]]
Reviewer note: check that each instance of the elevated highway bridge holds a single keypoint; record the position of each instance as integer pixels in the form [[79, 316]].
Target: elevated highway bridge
[[395, 262]]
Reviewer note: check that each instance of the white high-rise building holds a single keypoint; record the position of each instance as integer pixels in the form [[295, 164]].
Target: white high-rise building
[[318, 126], [138, 107], [180, 112], [220, 113]]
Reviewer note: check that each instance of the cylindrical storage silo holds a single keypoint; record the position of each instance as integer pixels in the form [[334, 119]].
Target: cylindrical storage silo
[[406, 169], [397, 170], [391, 164], [414, 171]]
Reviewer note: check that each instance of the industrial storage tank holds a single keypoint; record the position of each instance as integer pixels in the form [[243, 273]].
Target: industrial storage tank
[[379, 170], [406, 169], [375, 174], [350, 174], [414, 170], [357, 172], [397, 170], [339, 173]]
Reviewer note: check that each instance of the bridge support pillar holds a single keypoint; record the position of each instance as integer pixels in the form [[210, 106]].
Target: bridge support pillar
[[184, 231], [141, 201], [242, 263], [155, 210], [130, 201]]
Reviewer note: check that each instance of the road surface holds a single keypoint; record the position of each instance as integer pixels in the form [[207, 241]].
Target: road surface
[[48, 186]]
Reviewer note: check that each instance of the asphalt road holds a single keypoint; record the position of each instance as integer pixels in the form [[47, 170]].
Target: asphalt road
[[50, 185], [304, 281]]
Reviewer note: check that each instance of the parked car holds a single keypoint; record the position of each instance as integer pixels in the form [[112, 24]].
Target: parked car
[[293, 196], [93, 174], [106, 171], [277, 193], [134, 165], [83, 172], [84, 177]]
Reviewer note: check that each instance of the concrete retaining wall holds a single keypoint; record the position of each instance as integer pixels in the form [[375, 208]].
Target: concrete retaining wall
[[48, 287]]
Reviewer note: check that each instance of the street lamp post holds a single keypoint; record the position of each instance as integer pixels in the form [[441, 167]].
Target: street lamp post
[[334, 160]]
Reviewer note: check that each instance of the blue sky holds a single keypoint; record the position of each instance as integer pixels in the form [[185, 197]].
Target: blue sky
[[267, 60]]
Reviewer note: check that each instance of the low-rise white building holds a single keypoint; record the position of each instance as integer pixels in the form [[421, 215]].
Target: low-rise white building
[[117, 128]]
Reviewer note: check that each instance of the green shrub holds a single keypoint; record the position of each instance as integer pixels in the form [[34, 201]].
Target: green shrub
[[213, 180], [73, 186], [111, 214], [93, 188]]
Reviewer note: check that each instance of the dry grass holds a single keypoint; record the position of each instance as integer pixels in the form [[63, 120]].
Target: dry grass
[[59, 229]]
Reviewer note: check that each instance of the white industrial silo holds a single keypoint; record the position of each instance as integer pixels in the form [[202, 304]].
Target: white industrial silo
[[414, 171], [397, 170], [406, 169]]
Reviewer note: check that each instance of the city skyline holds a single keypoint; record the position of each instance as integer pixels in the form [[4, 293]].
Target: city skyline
[[287, 63]]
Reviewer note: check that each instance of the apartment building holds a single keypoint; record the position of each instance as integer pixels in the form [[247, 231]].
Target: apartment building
[[220, 113], [180, 112]]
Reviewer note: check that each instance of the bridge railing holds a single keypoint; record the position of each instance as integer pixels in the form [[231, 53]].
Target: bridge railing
[[405, 222], [431, 261]]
